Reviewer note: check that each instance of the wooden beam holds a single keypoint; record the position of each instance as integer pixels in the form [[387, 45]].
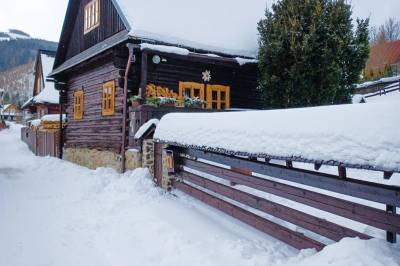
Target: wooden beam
[[143, 75], [304, 220], [354, 211], [277, 231], [352, 187]]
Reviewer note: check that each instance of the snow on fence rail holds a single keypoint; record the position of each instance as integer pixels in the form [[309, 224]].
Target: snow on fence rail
[[356, 136], [224, 160]]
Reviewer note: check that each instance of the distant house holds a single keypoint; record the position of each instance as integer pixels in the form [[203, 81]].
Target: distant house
[[45, 98], [384, 56], [176, 53], [11, 112]]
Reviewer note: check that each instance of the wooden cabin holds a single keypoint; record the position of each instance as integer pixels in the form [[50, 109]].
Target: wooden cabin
[[11, 112], [45, 98], [113, 50]]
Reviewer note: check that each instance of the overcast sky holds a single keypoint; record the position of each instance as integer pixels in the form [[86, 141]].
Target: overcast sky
[[44, 18]]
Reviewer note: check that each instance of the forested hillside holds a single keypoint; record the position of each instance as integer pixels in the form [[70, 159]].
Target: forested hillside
[[18, 48], [18, 83]]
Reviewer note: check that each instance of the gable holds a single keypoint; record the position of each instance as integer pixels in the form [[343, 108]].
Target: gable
[[74, 41]]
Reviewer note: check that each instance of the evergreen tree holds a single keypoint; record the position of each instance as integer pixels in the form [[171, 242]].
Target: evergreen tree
[[309, 54]]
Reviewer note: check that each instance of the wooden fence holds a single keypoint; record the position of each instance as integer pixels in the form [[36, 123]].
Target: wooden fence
[[41, 143], [189, 167], [395, 87]]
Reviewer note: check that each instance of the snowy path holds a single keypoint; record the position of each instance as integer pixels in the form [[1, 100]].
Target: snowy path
[[55, 213]]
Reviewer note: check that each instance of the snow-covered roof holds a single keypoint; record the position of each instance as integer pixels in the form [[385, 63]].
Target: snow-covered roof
[[356, 135], [28, 102], [49, 94], [35, 122], [53, 118], [145, 127], [183, 51], [224, 26]]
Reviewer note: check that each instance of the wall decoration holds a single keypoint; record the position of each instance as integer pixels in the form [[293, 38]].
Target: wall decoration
[[158, 91], [207, 76]]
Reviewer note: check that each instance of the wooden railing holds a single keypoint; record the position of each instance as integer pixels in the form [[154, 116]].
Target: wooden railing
[[229, 183], [41, 143], [388, 89]]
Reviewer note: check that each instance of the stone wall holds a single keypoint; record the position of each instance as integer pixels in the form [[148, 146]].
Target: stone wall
[[148, 155], [93, 159], [133, 159]]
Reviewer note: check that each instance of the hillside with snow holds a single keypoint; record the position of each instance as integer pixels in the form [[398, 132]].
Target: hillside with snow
[[18, 48]]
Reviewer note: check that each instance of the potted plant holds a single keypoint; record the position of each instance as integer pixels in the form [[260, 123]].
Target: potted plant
[[167, 101], [153, 101], [194, 102], [136, 101]]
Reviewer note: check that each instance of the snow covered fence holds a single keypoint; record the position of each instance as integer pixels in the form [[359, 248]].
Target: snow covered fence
[[233, 185], [394, 87], [227, 160]]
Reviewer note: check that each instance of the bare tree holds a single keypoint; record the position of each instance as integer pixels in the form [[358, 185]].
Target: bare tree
[[390, 31]]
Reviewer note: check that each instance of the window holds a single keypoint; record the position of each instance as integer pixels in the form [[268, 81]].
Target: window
[[191, 90], [78, 105], [108, 99], [218, 97], [92, 15]]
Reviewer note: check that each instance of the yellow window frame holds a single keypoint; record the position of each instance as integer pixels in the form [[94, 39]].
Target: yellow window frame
[[91, 15], [193, 87], [108, 98], [78, 105], [219, 89]]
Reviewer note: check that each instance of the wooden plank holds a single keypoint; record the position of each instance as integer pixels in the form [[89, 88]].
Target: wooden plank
[[309, 222], [277, 231], [389, 195], [361, 213]]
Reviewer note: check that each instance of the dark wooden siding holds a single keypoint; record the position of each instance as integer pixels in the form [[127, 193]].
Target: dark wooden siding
[[110, 24], [94, 130], [243, 80]]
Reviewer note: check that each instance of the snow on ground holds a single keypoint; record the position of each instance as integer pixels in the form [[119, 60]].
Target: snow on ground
[[361, 134], [388, 97], [53, 212]]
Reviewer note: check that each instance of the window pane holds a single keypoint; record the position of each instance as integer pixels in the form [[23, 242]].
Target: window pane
[[223, 96], [186, 93], [215, 95], [223, 106], [214, 105], [196, 93]]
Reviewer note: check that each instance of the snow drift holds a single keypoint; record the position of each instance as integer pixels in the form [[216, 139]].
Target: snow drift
[[365, 135]]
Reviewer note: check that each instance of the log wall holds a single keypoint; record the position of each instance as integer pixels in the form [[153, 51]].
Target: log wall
[[94, 130], [243, 80]]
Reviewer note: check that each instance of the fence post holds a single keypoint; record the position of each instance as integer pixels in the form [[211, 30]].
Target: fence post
[[391, 236]]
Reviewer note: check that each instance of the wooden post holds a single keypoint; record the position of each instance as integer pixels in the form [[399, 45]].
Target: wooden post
[[342, 171], [391, 236], [143, 76], [125, 107]]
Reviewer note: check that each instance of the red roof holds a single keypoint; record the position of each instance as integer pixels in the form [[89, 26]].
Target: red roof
[[382, 54]]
